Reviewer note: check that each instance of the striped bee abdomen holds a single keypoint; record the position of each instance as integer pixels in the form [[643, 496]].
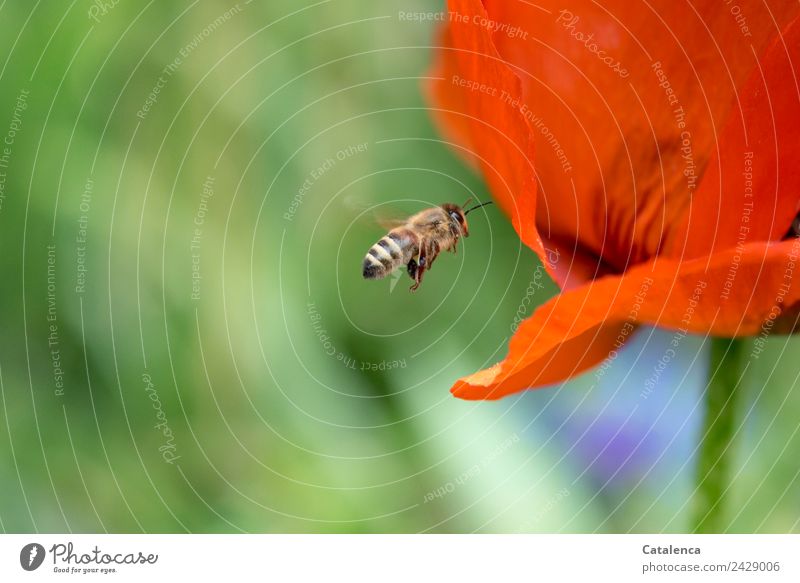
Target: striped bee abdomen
[[393, 250]]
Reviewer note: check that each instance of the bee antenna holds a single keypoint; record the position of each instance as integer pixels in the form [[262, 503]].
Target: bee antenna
[[476, 207]]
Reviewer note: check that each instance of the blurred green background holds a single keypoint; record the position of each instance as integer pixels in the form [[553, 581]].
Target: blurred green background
[[188, 345]]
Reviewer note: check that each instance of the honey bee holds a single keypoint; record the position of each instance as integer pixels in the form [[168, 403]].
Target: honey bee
[[417, 242]]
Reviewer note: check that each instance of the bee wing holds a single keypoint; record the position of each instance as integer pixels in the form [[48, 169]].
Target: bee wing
[[385, 215], [388, 222]]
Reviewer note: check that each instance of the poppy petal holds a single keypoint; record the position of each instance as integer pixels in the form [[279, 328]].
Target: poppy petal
[[468, 76], [751, 190], [607, 94], [738, 292]]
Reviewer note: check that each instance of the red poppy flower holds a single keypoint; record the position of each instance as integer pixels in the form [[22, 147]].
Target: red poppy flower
[[648, 153]]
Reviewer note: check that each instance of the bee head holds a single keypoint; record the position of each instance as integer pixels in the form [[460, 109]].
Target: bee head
[[457, 214]]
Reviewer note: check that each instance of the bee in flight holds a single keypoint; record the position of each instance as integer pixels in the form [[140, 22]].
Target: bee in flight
[[417, 242]]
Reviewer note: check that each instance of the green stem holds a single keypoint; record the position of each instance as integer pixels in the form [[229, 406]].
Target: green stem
[[727, 358]]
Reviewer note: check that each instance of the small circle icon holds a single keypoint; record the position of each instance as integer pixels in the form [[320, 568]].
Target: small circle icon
[[31, 556]]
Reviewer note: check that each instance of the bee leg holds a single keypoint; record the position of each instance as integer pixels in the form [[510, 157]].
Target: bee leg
[[412, 269], [417, 278], [422, 266], [433, 253]]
